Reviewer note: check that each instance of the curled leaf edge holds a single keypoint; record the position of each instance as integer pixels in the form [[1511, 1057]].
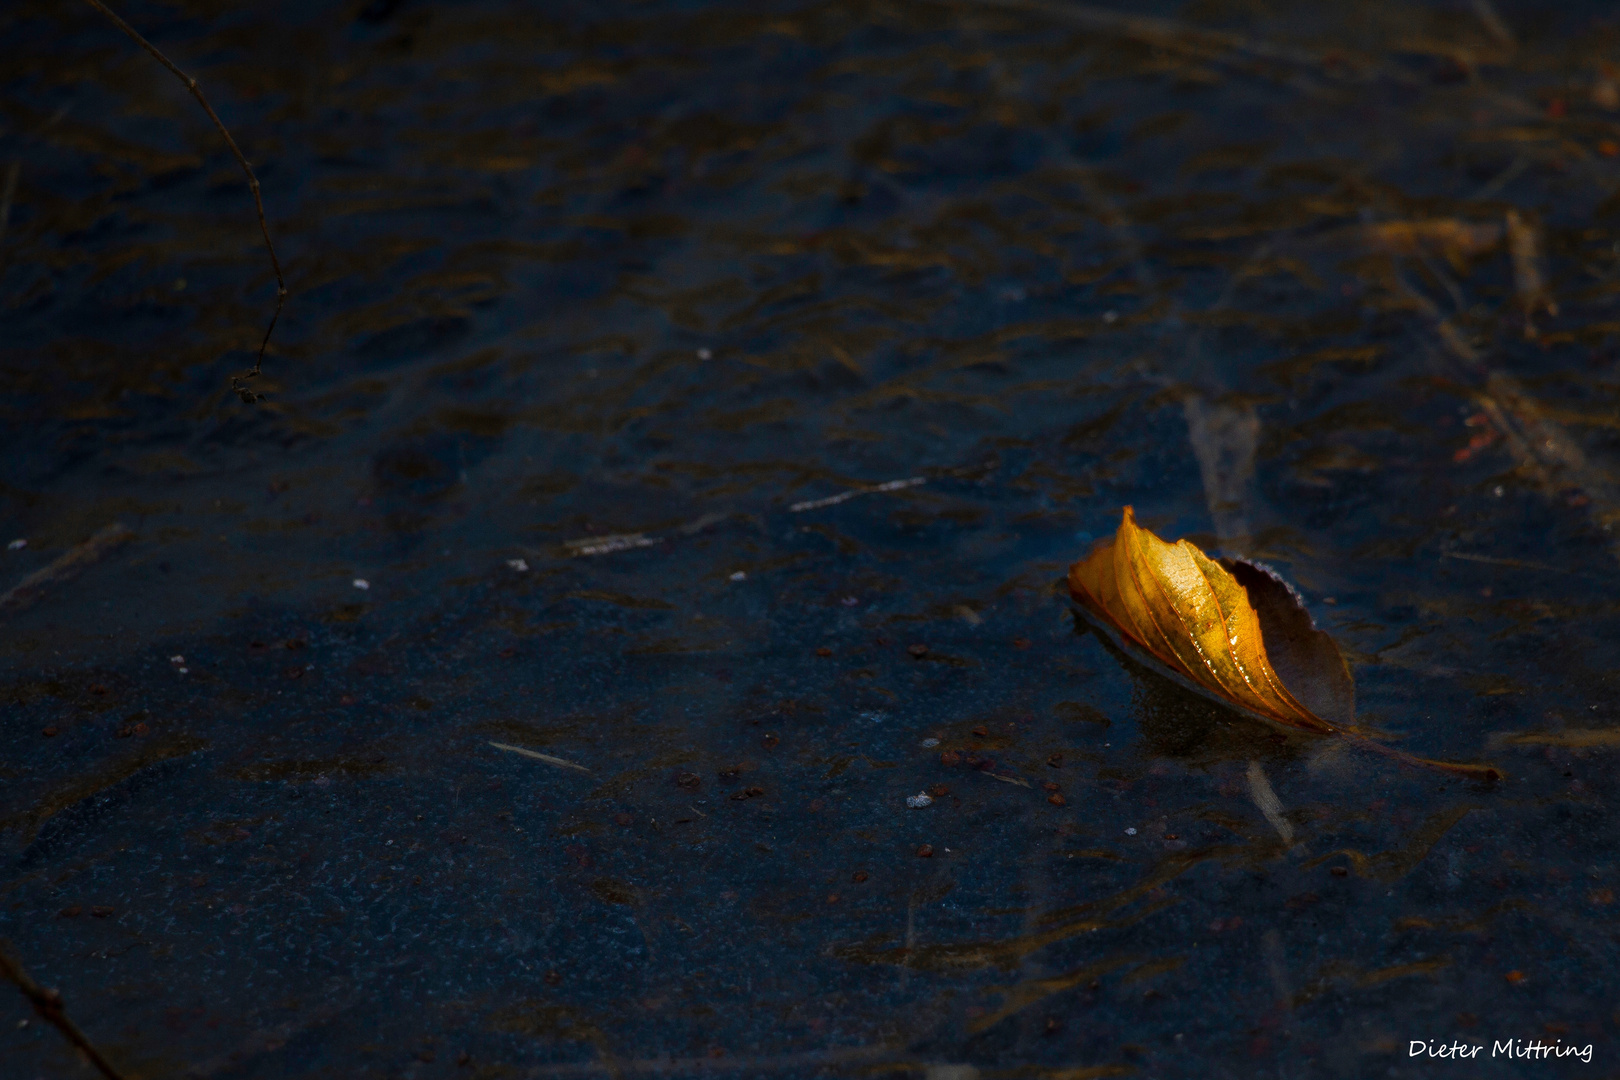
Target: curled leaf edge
[[1354, 736]]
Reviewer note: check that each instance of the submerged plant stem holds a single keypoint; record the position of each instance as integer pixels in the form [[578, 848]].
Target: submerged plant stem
[[48, 1004], [238, 382], [1489, 773]]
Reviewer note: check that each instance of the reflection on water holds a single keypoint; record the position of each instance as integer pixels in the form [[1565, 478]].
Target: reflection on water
[[708, 396]]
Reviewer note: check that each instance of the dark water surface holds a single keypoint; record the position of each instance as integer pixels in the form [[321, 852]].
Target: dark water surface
[[1279, 274]]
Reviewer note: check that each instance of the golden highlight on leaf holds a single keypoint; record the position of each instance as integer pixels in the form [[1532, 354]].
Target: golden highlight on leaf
[[1232, 630], [1191, 615]]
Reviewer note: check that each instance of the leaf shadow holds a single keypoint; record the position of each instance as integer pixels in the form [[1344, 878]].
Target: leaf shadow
[[1184, 725]]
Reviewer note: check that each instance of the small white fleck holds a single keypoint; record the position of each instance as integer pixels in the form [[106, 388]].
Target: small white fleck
[[1110, 317], [388, 843], [177, 659], [739, 575], [914, 801], [1497, 491], [705, 354], [184, 670], [935, 742], [519, 565], [17, 545], [1130, 832], [361, 583]]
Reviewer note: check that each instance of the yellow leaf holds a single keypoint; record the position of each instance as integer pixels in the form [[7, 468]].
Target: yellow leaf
[[1231, 629], [1189, 614]]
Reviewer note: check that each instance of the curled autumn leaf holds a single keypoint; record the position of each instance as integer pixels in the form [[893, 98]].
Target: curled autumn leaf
[[1228, 629]]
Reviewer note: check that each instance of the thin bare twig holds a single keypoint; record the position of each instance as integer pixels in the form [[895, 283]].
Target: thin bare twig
[[238, 382], [547, 758], [48, 1003]]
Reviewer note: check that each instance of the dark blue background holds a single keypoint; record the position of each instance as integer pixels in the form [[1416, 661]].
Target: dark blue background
[[566, 271]]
